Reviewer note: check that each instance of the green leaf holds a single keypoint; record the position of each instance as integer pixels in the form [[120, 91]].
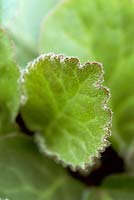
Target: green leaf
[[9, 84], [65, 105], [96, 193], [115, 187], [98, 31], [27, 175], [123, 105], [120, 187], [8, 11], [25, 27], [104, 32]]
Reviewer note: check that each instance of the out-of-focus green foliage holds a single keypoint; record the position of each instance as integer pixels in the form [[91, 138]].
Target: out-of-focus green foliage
[[115, 187], [103, 31], [23, 19], [119, 187], [8, 10], [9, 84], [27, 175]]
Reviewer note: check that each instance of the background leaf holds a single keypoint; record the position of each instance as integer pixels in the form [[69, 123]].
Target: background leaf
[[114, 187], [26, 174], [8, 10], [23, 20], [104, 32], [9, 84], [120, 187], [96, 193], [65, 104]]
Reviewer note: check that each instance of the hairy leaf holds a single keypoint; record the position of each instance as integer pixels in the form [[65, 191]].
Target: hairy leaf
[[9, 84], [26, 175], [102, 31], [66, 106]]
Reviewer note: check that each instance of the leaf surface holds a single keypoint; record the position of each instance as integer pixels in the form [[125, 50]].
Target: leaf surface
[[8, 10], [119, 187], [66, 106], [24, 26], [9, 84], [123, 105], [104, 32], [26, 174], [114, 187]]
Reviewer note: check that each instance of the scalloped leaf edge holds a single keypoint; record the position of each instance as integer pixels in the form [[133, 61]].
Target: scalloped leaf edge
[[107, 128]]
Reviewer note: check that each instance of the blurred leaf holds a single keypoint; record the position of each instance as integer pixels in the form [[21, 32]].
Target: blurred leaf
[[25, 26], [115, 187], [96, 194], [123, 104], [98, 31], [26, 175], [66, 106], [8, 10], [120, 187], [9, 84], [101, 31]]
